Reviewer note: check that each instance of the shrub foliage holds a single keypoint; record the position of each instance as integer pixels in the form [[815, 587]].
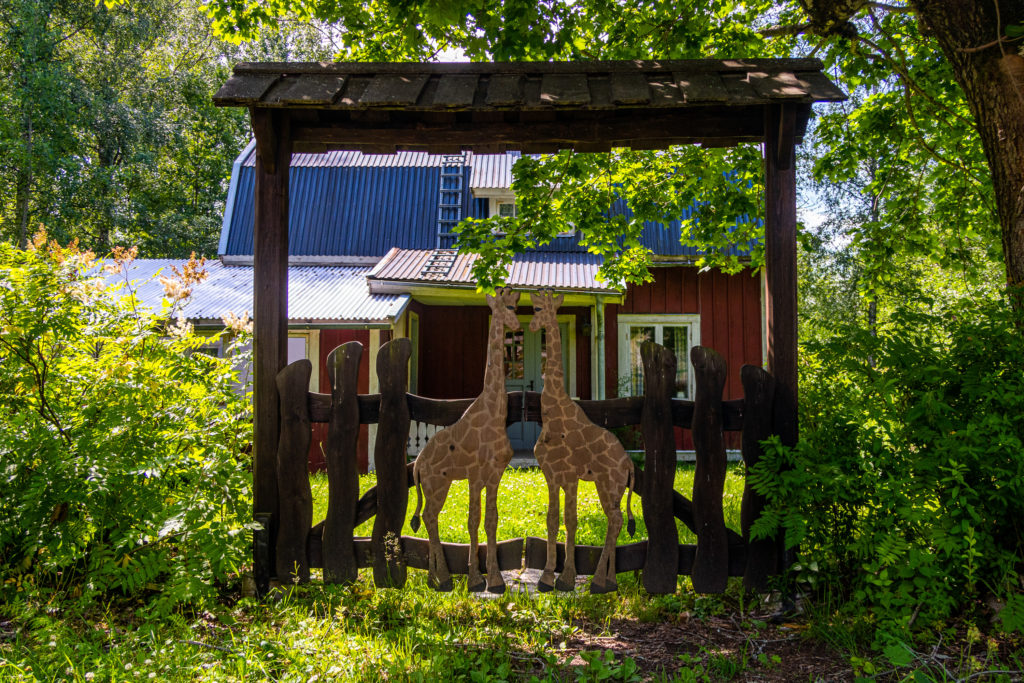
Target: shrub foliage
[[120, 445], [906, 491]]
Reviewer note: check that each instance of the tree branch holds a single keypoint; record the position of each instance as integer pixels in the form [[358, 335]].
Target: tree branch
[[786, 30]]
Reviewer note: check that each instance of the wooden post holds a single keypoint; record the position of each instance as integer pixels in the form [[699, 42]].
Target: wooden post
[[392, 480], [295, 499], [659, 469], [342, 466], [780, 265], [270, 304], [711, 562], [780, 270], [758, 395]]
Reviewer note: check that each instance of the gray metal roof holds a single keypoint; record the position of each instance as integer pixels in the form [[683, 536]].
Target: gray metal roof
[[492, 171], [326, 294], [564, 271]]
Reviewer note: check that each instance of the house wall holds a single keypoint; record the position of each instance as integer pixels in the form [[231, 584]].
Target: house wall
[[329, 340], [453, 349], [729, 307]]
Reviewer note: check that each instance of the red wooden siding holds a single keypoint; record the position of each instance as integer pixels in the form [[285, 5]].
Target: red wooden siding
[[329, 340], [730, 320], [453, 349]]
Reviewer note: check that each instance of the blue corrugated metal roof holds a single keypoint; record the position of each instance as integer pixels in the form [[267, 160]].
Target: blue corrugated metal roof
[[353, 204]]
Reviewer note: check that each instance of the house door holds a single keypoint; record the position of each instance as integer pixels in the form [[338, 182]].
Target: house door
[[524, 358]]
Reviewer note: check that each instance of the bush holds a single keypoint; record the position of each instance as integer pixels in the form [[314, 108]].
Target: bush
[[906, 491], [120, 446]]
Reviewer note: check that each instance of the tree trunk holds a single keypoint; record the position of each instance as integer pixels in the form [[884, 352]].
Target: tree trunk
[[24, 184], [996, 99]]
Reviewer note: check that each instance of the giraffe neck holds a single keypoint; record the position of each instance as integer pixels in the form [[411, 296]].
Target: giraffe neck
[[494, 372], [554, 373]]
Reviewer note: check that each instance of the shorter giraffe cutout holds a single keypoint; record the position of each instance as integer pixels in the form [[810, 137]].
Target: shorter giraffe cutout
[[570, 448], [476, 447]]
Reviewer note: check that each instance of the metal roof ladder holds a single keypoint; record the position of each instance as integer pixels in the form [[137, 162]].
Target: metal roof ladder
[[449, 205]]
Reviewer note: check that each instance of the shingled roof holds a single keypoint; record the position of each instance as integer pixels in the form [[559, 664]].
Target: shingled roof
[[591, 106]]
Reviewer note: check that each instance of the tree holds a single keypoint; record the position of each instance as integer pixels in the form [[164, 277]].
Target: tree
[[934, 83]]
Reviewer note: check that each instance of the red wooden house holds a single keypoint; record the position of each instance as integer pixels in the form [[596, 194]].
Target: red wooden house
[[371, 258]]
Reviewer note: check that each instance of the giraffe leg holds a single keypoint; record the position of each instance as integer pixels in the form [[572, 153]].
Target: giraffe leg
[[495, 582], [567, 579], [547, 579], [438, 576], [474, 580], [604, 579]]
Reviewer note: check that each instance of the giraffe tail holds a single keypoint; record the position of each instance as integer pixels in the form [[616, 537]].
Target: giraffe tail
[[631, 523], [414, 523]]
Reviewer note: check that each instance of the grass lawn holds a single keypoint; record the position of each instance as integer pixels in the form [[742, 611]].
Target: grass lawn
[[522, 507], [359, 633]]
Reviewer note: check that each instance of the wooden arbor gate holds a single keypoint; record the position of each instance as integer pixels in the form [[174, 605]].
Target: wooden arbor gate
[[534, 108], [332, 545]]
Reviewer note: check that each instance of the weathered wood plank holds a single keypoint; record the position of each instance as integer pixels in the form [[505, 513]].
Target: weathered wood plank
[[628, 557], [701, 87], [393, 90], [758, 392], [687, 554], [510, 552], [665, 92], [504, 90], [454, 90], [341, 453], [739, 90], [711, 563], [245, 89], [659, 468], [630, 88], [311, 89], [564, 89], [270, 306], [389, 454], [262, 566], [294, 495], [436, 411], [780, 85]]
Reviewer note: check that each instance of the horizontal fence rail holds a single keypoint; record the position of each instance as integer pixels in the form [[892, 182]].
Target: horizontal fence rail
[[289, 548]]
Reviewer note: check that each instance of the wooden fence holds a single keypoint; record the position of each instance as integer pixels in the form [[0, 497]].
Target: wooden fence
[[720, 552]]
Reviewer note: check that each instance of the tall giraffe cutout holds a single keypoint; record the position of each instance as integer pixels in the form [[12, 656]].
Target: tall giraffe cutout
[[570, 448], [474, 448]]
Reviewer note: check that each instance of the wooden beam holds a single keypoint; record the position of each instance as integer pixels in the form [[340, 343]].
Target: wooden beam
[[270, 303], [645, 127], [780, 265]]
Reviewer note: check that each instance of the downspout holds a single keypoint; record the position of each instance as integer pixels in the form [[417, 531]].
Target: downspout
[[599, 343]]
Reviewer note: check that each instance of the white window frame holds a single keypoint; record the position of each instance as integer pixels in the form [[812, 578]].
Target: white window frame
[[312, 339], [658, 321]]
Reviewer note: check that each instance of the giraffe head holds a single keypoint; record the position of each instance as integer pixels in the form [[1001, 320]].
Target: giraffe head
[[545, 310], [503, 307]]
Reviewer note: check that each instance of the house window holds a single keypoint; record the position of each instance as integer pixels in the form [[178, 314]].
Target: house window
[[679, 333], [306, 345], [507, 209]]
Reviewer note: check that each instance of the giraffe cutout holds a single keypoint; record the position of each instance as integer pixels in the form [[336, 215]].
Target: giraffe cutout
[[476, 448], [570, 448]]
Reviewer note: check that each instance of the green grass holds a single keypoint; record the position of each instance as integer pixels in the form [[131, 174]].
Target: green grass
[[522, 507]]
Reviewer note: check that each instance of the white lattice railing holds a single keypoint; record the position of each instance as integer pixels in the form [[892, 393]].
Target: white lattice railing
[[419, 434]]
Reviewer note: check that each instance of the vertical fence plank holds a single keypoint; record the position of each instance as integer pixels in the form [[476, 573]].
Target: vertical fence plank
[[758, 395], [711, 563], [662, 562], [389, 452], [341, 452], [261, 568], [295, 499]]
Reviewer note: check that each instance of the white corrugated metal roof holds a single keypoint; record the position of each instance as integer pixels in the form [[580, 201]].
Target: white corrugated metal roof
[[492, 171], [329, 294], [565, 271]]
